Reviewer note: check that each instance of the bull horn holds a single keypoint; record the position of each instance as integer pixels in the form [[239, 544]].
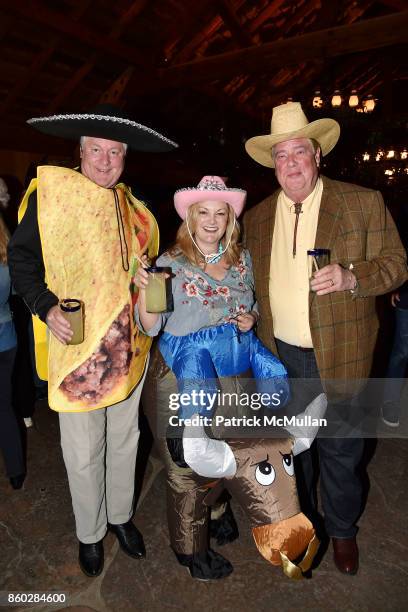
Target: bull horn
[[291, 570], [207, 457], [281, 542], [305, 434]]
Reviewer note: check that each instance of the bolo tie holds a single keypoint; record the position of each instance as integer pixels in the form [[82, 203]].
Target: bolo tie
[[121, 231], [298, 210]]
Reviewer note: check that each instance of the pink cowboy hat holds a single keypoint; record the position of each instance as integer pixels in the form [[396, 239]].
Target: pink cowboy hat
[[209, 188]]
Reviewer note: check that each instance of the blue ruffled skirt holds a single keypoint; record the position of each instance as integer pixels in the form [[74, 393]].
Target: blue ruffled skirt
[[199, 359]]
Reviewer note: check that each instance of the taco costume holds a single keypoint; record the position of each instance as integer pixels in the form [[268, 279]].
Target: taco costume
[[92, 261]]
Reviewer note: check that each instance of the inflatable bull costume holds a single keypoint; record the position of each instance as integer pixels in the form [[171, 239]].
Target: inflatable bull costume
[[258, 473]]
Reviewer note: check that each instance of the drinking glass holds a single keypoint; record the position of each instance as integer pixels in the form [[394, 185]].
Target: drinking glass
[[73, 312]]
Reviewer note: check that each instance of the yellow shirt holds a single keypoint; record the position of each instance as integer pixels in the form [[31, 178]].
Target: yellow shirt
[[289, 276]]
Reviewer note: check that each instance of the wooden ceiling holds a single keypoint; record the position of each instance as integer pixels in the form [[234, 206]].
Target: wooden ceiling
[[200, 70]]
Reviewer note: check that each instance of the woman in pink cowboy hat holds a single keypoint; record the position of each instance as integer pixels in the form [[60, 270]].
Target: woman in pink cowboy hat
[[207, 344]]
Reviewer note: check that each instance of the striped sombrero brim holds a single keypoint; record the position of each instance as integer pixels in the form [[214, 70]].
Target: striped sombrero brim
[[72, 126]]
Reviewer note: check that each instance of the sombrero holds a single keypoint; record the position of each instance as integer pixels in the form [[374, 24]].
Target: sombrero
[[209, 188], [104, 121], [289, 122]]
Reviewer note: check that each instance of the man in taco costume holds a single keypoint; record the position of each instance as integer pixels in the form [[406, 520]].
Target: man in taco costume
[[79, 237]]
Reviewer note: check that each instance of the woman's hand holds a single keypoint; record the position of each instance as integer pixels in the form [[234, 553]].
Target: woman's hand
[[141, 278], [245, 321]]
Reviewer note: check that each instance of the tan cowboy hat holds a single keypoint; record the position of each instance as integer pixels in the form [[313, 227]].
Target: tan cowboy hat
[[288, 122]]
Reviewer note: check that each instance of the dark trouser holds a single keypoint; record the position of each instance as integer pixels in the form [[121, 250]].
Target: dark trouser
[[338, 458], [10, 437], [398, 359], [22, 380]]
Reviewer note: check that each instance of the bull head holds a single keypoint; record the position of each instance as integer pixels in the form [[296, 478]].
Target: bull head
[[265, 486], [260, 475]]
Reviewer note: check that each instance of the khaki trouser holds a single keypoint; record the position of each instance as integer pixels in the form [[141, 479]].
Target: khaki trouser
[[99, 450]]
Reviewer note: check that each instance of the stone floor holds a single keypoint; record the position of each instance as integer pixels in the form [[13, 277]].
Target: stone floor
[[39, 549]]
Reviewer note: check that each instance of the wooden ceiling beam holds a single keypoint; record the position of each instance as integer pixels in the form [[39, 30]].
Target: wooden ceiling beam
[[349, 73], [232, 22], [372, 80], [300, 15], [342, 73], [187, 46], [193, 21], [114, 93], [295, 89], [272, 10], [327, 16], [301, 77], [35, 12], [397, 5], [248, 89], [358, 81], [37, 64], [332, 42], [131, 13]]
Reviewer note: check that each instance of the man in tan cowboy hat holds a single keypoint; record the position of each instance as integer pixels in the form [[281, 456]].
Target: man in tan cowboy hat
[[325, 328], [79, 236]]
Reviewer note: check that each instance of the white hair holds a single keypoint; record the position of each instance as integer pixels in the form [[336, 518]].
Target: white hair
[[82, 141]]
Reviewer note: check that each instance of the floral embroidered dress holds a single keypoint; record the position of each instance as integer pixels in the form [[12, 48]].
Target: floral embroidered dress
[[199, 342], [201, 301]]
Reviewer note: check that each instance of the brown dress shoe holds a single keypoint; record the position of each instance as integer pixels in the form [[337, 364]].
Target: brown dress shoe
[[345, 555]]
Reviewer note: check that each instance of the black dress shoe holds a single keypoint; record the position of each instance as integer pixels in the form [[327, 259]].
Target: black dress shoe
[[91, 558], [130, 539], [17, 481], [345, 555]]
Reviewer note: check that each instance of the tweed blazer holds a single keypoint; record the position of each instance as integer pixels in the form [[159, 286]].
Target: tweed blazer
[[355, 225]]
